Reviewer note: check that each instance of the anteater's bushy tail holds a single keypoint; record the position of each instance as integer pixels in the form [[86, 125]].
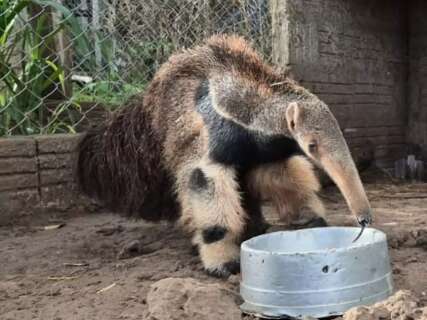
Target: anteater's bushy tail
[[120, 164]]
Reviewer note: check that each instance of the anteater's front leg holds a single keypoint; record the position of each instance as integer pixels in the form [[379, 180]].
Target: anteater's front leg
[[290, 185], [212, 209]]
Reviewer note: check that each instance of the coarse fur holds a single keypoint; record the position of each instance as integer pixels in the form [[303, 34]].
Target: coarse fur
[[204, 143], [130, 163], [290, 185], [116, 160]]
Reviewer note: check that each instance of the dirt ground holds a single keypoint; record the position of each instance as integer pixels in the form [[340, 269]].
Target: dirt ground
[[101, 266]]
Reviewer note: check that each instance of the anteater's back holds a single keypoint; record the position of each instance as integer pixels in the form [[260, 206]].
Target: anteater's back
[[129, 163]]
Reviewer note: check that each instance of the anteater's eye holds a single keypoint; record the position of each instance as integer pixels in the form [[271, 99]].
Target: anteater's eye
[[312, 147]]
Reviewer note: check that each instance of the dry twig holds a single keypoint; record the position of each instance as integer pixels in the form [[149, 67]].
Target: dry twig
[[106, 288]]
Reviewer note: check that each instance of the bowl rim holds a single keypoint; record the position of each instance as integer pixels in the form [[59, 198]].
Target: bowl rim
[[245, 246]]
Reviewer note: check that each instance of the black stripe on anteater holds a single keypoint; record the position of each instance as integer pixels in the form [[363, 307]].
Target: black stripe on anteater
[[213, 234], [232, 144], [198, 180], [256, 223]]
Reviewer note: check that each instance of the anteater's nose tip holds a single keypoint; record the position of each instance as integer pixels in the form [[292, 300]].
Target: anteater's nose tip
[[365, 218]]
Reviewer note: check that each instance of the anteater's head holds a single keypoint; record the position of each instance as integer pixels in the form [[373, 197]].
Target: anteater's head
[[313, 126], [296, 113]]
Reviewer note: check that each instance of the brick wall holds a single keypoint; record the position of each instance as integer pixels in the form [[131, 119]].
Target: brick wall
[[417, 128], [352, 54], [36, 175]]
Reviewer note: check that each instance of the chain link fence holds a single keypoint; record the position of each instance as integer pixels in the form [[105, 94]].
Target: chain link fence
[[65, 64]]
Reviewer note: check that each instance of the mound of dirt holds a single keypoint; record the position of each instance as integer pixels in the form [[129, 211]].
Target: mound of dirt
[[186, 298], [403, 305]]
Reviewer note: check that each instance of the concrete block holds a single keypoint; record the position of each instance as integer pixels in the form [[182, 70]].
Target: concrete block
[[57, 143], [18, 181], [55, 176], [18, 165], [55, 161], [17, 147]]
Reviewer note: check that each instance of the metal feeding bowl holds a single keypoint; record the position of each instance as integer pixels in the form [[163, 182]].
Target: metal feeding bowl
[[314, 272]]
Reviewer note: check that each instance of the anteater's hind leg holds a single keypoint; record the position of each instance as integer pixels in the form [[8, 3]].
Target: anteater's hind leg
[[212, 209]]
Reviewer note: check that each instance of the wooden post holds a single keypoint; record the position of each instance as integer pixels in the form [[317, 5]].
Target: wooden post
[[280, 22], [64, 52], [54, 91], [96, 28]]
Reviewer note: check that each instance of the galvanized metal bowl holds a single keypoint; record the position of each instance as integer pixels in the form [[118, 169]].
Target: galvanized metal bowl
[[314, 272]]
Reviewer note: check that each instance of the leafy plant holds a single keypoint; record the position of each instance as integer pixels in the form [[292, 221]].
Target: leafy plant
[[148, 55], [29, 73], [115, 83], [110, 93], [25, 85]]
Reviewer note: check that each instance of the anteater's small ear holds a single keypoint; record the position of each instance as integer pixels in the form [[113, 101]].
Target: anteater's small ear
[[293, 115]]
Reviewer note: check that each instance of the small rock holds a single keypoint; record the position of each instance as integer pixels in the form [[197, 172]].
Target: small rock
[[421, 313], [412, 260], [402, 303], [398, 239], [129, 250], [186, 298], [421, 239], [108, 231], [53, 292], [136, 248], [359, 313], [400, 306], [234, 279], [397, 270]]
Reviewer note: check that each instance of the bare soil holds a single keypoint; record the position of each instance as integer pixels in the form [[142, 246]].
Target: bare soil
[[101, 266]]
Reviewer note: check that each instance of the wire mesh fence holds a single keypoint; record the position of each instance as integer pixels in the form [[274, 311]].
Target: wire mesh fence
[[64, 64]]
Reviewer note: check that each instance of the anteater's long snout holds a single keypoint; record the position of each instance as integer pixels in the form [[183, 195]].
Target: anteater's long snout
[[345, 175]]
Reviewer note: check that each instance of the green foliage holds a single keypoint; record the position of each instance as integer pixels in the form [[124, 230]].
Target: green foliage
[[114, 84], [29, 72], [25, 83], [110, 93], [148, 55]]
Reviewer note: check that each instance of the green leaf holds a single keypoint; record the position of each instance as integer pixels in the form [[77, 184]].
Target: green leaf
[[8, 19]]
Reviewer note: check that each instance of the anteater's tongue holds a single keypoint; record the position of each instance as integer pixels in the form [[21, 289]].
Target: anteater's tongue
[[360, 233]]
